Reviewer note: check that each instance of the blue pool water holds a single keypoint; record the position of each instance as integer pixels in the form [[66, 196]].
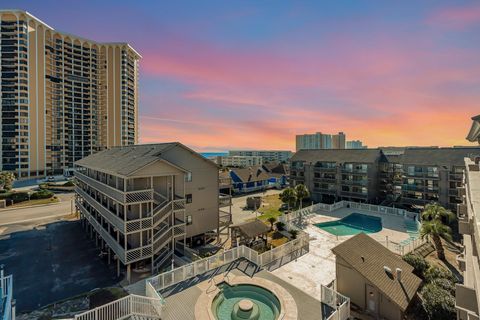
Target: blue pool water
[[352, 224], [224, 303]]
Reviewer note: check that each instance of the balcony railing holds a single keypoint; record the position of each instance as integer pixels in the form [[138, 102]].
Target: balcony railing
[[115, 194], [6, 297]]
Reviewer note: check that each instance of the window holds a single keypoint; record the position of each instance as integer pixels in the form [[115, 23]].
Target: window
[[188, 177], [188, 197], [189, 220]]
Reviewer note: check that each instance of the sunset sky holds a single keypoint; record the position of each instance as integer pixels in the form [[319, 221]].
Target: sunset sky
[[219, 75]]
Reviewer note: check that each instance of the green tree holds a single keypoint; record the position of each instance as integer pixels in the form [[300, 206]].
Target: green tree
[[272, 220], [434, 218], [302, 193], [6, 180], [438, 303], [288, 196]]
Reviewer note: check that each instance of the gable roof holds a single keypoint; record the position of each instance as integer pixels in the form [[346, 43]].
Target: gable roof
[[250, 174], [338, 155], [368, 257], [126, 160]]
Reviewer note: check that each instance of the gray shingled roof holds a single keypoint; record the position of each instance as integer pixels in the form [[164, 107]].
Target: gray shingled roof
[[368, 257], [474, 133], [338, 155], [250, 174], [438, 156], [125, 160]]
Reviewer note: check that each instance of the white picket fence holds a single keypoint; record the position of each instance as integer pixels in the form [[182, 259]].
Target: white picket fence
[[177, 275], [131, 305], [293, 220], [337, 301]]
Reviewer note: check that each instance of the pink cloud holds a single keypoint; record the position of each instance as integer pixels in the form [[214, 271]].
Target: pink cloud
[[456, 17]]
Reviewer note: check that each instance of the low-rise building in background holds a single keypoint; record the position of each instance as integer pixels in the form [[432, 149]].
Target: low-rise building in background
[[238, 161], [266, 155], [355, 144]]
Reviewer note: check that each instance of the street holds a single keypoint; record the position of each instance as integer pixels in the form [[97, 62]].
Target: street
[[13, 220]]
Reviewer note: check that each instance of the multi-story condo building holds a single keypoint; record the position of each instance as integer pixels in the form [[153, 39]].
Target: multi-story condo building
[[411, 177], [266, 155], [320, 141], [474, 133], [333, 175], [354, 144], [63, 97], [239, 161], [467, 295], [147, 202]]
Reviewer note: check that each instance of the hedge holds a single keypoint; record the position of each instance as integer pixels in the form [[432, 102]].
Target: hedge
[[42, 194]]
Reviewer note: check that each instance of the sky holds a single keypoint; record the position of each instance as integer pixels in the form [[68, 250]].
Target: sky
[[220, 75]]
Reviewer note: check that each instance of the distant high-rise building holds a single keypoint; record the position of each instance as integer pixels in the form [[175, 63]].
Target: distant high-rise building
[[355, 144], [319, 140], [63, 97]]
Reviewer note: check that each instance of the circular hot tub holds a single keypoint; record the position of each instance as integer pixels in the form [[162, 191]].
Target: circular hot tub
[[245, 302]]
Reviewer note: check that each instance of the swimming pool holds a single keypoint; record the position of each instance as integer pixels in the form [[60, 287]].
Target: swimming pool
[[352, 224]]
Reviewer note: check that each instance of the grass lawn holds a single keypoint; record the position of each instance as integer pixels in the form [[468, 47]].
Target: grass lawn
[[270, 207], [34, 202]]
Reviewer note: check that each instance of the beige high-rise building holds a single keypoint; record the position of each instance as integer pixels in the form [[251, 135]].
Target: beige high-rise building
[[63, 97], [320, 140]]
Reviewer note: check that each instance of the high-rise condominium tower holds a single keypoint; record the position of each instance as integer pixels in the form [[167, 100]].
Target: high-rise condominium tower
[[320, 141], [63, 97]]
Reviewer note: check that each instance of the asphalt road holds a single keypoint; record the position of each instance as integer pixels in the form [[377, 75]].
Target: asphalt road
[[36, 214]]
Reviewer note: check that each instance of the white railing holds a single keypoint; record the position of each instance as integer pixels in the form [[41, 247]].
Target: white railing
[[7, 311], [131, 305], [177, 275], [336, 301], [405, 247]]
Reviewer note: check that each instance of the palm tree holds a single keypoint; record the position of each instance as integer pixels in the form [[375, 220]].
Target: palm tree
[[272, 220], [302, 193], [288, 196], [433, 218]]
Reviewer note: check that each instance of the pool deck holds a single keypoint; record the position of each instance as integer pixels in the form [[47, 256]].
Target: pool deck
[[318, 265], [181, 299]]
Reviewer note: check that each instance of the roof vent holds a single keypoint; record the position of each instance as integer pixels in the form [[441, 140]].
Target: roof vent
[[399, 274], [388, 271], [363, 258]]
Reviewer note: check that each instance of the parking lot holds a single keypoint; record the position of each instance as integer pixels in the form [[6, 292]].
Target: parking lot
[[53, 262]]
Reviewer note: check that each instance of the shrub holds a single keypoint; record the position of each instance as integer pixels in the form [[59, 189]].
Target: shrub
[[19, 197], [419, 264], [438, 303], [444, 284], [69, 184], [6, 195], [42, 194], [435, 272], [280, 226], [43, 186]]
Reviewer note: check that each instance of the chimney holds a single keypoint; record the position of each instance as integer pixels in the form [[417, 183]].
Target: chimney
[[399, 274]]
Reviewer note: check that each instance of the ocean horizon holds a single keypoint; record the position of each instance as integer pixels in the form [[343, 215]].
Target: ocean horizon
[[213, 154]]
